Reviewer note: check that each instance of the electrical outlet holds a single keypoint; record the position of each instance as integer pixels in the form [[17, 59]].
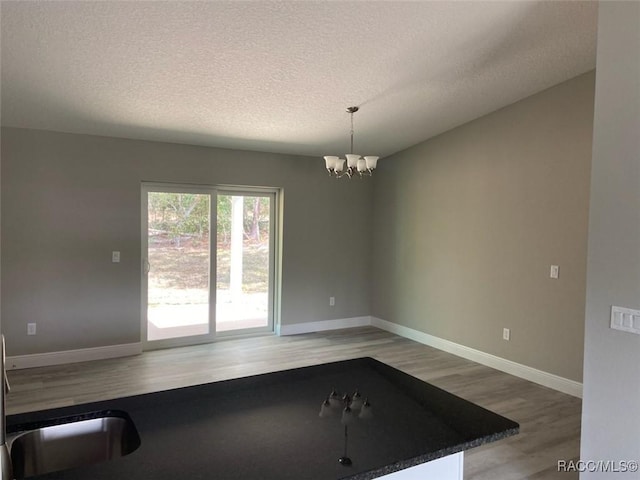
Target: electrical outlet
[[506, 334], [332, 301], [31, 328], [115, 257]]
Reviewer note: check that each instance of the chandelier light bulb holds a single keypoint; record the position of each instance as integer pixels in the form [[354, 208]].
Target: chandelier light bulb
[[356, 401], [334, 398], [371, 162], [366, 411], [331, 162], [325, 408], [347, 416], [352, 160]]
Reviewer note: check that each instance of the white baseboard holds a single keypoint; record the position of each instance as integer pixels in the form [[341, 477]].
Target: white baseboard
[[298, 328], [550, 380], [72, 356], [556, 382]]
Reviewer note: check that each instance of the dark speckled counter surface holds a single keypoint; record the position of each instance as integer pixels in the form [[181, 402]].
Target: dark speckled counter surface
[[268, 427]]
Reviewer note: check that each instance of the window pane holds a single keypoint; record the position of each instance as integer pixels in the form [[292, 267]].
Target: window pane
[[243, 266], [178, 253]]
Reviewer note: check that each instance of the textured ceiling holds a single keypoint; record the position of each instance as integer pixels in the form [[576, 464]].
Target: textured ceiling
[[277, 76]]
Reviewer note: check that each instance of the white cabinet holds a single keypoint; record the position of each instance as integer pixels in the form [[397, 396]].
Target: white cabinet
[[445, 468]]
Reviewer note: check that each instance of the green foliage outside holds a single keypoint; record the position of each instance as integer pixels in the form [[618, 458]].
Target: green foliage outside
[[179, 246], [179, 214], [187, 214]]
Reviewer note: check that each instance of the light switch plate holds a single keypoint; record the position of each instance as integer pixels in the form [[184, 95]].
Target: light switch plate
[[625, 319], [554, 271], [506, 334], [115, 257]]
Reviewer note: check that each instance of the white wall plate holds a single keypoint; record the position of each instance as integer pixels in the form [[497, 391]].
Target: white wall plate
[[625, 319]]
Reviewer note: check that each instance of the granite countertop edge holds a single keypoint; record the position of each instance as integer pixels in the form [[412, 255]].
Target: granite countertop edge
[[427, 457]]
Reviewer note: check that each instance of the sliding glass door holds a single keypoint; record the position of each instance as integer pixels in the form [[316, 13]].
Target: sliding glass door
[[244, 258], [208, 268]]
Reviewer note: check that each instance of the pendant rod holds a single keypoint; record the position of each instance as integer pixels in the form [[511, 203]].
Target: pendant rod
[[351, 111]]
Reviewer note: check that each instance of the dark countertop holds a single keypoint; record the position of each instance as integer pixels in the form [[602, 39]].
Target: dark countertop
[[268, 427]]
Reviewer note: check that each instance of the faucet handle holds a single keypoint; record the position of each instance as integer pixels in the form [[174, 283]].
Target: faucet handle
[[7, 387]]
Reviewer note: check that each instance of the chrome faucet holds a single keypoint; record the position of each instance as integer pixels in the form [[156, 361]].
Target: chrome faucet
[[6, 472]]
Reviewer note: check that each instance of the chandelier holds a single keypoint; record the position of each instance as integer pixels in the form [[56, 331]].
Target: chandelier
[[364, 166], [351, 407]]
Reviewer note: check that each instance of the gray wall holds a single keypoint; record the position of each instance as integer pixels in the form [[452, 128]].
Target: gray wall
[[468, 223], [69, 200], [610, 419]]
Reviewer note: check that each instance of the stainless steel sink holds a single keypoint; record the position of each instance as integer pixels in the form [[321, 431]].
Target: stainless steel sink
[[73, 443]]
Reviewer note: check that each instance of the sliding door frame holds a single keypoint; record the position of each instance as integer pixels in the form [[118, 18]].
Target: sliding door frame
[[272, 195], [275, 255]]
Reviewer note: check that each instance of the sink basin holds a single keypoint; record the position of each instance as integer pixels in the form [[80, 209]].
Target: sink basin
[[72, 442]]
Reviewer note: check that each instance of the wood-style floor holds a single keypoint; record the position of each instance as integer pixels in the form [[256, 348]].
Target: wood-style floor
[[549, 420]]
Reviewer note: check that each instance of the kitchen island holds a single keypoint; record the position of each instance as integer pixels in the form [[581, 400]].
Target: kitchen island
[[268, 427]]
